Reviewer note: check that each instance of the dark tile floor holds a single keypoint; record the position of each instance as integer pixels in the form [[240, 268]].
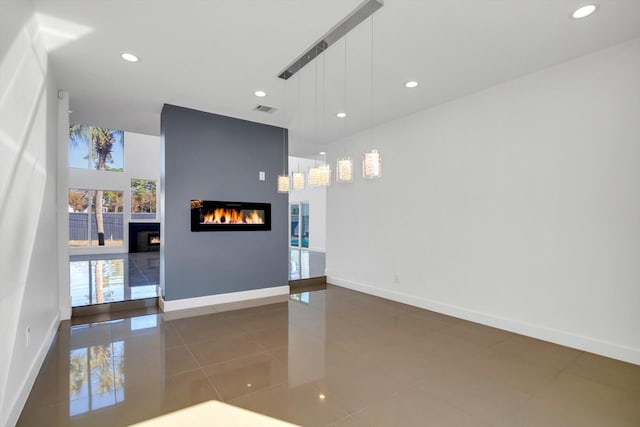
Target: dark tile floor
[[334, 357]]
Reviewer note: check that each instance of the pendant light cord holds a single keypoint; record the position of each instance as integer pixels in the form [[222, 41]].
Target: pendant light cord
[[284, 131], [299, 110], [324, 97], [344, 123], [315, 99], [371, 112]]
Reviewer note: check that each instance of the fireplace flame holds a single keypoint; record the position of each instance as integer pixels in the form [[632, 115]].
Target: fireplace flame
[[254, 218], [232, 216]]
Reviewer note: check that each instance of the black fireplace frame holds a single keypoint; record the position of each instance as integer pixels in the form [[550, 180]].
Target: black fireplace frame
[[136, 228], [199, 207]]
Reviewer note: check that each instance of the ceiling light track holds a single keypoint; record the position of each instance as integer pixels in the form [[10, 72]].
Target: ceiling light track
[[359, 14]]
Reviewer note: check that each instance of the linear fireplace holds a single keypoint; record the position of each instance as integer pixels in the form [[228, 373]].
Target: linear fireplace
[[207, 215]]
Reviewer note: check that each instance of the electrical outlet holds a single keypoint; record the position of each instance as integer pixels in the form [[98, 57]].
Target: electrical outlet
[[396, 278], [28, 336], [261, 176]]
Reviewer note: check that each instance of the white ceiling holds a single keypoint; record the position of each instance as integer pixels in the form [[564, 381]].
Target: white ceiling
[[211, 55]]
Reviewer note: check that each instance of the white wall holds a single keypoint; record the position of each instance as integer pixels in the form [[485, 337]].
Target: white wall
[[141, 160], [317, 198], [62, 196], [517, 207], [28, 219]]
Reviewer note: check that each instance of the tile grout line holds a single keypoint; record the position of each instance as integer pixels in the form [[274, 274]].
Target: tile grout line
[[203, 372]]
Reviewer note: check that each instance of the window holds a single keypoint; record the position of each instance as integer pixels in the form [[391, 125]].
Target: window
[[299, 225], [143, 199], [96, 148], [96, 218]]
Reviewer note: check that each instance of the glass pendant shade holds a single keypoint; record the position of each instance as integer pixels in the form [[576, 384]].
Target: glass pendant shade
[[372, 164], [314, 177], [344, 170], [325, 175], [298, 180], [283, 183]]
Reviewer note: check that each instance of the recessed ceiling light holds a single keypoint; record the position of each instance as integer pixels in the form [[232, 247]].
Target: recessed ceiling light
[[584, 11], [260, 93], [322, 153], [341, 115], [411, 84], [129, 57]]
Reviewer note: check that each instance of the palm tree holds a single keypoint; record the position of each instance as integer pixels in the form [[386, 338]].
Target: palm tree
[[78, 372], [99, 277], [100, 368], [100, 142]]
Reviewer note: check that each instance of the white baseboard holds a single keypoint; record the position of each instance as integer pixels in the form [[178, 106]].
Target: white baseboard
[[30, 378], [557, 336], [187, 303]]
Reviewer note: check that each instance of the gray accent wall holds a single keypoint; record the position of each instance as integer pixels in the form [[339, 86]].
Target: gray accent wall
[[212, 157]]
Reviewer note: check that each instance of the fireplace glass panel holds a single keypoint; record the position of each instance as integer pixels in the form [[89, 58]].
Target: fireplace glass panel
[[229, 216]]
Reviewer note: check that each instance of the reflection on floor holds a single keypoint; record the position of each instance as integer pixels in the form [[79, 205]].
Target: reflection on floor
[[334, 357], [305, 264], [98, 279], [113, 277]]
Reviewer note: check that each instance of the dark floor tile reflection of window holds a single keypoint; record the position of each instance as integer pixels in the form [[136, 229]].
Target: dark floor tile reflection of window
[[96, 377]]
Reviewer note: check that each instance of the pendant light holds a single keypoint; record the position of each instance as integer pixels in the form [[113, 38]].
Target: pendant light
[[344, 166], [298, 180], [325, 175], [344, 170], [371, 164], [371, 160], [325, 171], [283, 183], [283, 180], [315, 178]]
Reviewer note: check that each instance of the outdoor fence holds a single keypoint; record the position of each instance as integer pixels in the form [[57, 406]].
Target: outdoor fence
[[79, 221]]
